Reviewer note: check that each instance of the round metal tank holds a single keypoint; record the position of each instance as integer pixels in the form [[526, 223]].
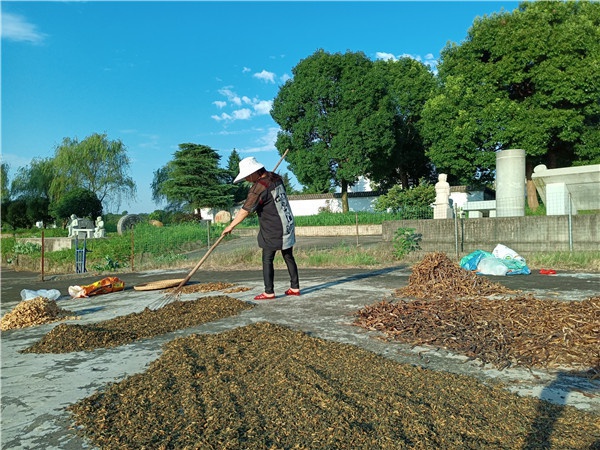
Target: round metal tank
[[510, 183]]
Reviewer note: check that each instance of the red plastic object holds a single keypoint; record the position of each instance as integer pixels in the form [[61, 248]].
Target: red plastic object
[[547, 271]]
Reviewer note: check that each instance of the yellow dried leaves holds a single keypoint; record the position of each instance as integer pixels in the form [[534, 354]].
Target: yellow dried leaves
[[37, 311]]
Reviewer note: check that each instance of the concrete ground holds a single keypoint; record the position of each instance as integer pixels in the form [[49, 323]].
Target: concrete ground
[[35, 388]]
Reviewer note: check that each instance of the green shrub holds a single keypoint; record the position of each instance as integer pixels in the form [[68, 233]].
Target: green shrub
[[406, 241]]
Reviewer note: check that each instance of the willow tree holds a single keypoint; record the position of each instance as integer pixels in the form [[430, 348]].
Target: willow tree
[[96, 164], [526, 79], [336, 119]]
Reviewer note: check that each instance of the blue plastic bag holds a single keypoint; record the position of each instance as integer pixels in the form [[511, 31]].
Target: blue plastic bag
[[470, 261]]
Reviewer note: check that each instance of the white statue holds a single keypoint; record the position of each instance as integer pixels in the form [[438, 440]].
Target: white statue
[[441, 207], [73, 225], [442, 190], [99, 231]]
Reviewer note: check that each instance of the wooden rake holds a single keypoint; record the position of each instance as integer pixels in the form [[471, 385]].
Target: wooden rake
[[175, 293]]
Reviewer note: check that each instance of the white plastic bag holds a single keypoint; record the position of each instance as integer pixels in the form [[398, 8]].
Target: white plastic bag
[[491, 266], [503, 252], [50, 294]]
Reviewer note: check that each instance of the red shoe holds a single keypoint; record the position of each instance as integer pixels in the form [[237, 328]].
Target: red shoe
[[290, 292], [264, 296]]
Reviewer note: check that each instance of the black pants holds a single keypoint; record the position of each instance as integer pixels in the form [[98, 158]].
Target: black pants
[[269, 272]]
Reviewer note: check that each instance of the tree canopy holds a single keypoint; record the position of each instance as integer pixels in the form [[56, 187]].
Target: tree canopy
[[410, 84], [96, 164], [335, 116], [79, 201], [5, 186], [195, 179], [525, 79], [240, 190]]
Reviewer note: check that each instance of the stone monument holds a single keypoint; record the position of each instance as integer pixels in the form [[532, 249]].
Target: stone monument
[[99, 231], [442, 208]]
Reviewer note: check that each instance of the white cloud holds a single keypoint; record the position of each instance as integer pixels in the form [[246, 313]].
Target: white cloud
[[263, 107], [16, 28], [265, 76], [265, 143], [223, 116], [429, 60], [220, 104], [246, 69], [231, 96], [242, 114], [285, 77], [385, 56]]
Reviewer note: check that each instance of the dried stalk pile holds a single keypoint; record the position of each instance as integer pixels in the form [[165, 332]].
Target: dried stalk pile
[[202, 287], [122, 330], [437, 276], [264, 386], [452, 311], [522, 331], [37, 311]]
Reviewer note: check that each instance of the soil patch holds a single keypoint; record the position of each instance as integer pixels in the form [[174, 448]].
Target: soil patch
[[264, 386]]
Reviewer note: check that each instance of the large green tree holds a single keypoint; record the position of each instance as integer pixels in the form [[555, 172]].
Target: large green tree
[[195, 179], [97, 164], [336, 119], [35, 179], [79, 201], [410, 84], [240, 190], [4, 182], [31, 184], [526, 79]]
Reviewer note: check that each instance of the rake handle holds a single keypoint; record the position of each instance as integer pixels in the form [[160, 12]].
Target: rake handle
[[193, 271]]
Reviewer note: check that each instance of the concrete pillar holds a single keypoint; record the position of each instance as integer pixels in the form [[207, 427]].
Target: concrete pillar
[[510, 183]]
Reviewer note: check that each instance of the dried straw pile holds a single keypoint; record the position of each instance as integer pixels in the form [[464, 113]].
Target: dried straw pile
[[37, 311], [452, 311], [264, 386], [522, 331], [121, 330], [437, 276], [202, 287]]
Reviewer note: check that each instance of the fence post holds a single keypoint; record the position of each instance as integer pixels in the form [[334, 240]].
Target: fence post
[[455, 230], [570, 226], [356, 215], [43, 247], [208, 233], [132, 257]]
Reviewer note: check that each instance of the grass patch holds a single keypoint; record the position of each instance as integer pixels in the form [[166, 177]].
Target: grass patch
[[587, 261]]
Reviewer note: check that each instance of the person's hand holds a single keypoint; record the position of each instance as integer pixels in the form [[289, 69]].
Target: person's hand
[[227, 231]]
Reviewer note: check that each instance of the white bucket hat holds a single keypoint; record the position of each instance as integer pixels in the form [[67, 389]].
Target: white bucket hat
[[248, 166]]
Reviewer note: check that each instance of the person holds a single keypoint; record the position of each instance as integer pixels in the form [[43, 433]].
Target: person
[[267, 197]]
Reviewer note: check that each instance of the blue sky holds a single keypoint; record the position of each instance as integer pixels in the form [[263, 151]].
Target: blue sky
[[157, 74]]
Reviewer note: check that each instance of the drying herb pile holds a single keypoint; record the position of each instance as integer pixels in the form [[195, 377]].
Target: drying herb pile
[[36, 311], [227, 288], [522, 331], [437, 276], [264, 386], [122, 330]]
